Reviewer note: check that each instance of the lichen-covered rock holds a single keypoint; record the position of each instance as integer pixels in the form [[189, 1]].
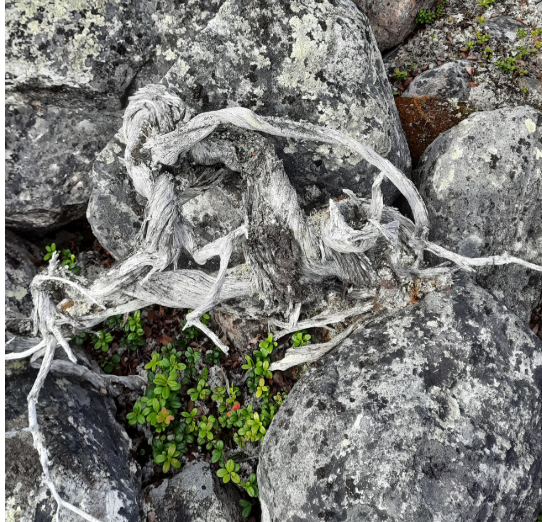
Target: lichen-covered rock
[[50, 148], [503, 28], [431, 414], [482, 184], [194, 495], [451, 80], [70, 67], [20, 259], [98, 47], [301, 60], [89, 452], [392, 22]]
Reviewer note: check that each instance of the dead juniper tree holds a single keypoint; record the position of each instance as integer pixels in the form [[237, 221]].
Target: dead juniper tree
[[299, 270]]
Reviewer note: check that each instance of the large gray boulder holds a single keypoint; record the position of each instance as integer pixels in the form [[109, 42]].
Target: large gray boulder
[[195, 495], [70, 69], [89, 452], [50, 147], [21, 258], [310, 61], [482, 184], [431, 414]]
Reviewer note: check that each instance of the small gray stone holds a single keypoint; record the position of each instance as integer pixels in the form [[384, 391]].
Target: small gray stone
[[482, 184], [503, 28], [89, 452], [430, 414], [21, 258], [450, 80], [194, 495]]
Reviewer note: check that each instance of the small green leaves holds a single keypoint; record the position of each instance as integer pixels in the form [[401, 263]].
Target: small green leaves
[[425, 16], [246, 506], [153, 362], [300, 339], [102, 341], [229, 472], [136, 417], [262, 389], [50, 250], [168, 457]]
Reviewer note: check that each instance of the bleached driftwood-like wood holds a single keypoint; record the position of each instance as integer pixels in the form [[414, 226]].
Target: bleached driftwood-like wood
[[159, 129]]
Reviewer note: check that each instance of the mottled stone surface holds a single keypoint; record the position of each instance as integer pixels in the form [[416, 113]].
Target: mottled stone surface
[[482, 184], [431, 414], [450, 80], [70, 68], [20, 259], [89, 453], [50, 147], [302, 60], [392, 22], [194, 495], [504, 28], [99, 47]]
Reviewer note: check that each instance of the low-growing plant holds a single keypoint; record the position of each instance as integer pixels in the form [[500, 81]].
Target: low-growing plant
[[481, 19], [213, 356], [67, 258], [229, 472], [400, 76], [50, 249], [522, 33], [168, 457], [486, 3], [134, 329], [300, 339], [110, 365], [507, 65], [425, 16], [262, 389], [482, 38], [80, 338], [102, 341]]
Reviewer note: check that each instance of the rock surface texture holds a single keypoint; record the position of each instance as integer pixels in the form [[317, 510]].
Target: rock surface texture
[[304, 60], [450, 80], [194, 495], [392, 22], [20, 257], [482, 184], [89, 453], [431, 414], [70, 67], [50, 147]]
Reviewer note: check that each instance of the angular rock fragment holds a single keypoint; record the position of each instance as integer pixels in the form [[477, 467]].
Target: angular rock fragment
[[195, 494], [450, 80], [430, 414], [504, 28], [482, 184]]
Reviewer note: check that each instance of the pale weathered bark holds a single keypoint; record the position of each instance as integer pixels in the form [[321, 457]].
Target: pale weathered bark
[[293, 261]]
